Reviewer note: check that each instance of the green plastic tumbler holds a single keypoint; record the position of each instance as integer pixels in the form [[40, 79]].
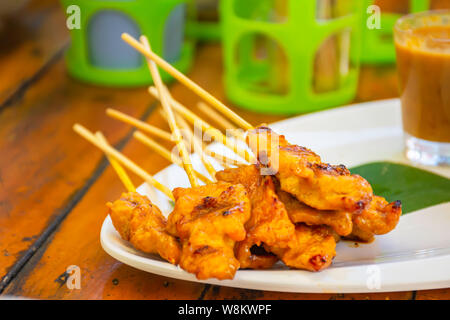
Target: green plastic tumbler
[[99, 56], [203, 24], [291, 56]]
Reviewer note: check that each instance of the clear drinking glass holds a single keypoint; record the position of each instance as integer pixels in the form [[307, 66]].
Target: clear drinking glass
[[422, 43]]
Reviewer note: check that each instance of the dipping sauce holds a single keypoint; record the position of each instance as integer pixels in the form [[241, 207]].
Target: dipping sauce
[[423, 62]]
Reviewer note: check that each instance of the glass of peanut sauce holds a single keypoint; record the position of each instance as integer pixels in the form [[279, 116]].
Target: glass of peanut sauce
[[422, 43]]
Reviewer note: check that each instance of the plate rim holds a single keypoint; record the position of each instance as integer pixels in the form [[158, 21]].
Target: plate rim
[[313, 286]]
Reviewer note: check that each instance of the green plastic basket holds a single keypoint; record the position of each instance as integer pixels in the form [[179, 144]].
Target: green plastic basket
[[299, 37], [139, 17], [203, 31]]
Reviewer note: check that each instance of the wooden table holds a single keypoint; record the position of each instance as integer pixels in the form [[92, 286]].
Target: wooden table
[[54, 185]]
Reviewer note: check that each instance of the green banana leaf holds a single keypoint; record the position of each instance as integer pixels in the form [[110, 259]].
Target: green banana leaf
[[416, 188]]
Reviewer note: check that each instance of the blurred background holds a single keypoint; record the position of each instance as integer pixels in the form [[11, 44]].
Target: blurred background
[[276, 56]]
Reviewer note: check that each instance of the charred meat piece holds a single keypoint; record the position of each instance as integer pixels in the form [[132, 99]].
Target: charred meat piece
[[313, 248], [302, 174], [380, 217], [142, 224], [339, 221], [209, 220], [269, 223]]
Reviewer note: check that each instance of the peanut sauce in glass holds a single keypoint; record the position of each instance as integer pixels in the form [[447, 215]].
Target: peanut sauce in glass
[[423, 63]]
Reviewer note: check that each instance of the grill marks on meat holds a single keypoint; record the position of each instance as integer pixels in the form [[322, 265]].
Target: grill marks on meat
[[380, 217], [327, 194], [302, 173], [312, 248], [209, 220], [271, 228], [269, 223], [339, 221], [295, 212], [144, 226]]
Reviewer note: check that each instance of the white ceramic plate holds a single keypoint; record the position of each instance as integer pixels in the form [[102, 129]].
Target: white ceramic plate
[[416, 255]]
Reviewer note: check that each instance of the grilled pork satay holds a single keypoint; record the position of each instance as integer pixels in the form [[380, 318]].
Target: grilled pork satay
[[339, 221], [269, 223], [302, 174], [312, 248], [142, 224], [209, 220], [253, 256], [380, 217], [303, 247], [360, 235]]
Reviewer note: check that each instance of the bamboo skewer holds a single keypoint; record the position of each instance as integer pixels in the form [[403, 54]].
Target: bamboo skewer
[[227, 125], [223, 163], [164, 98], [85, 133], [161, 134], [163, 114], [215, 133], [138, 124], [162, 151], [198, 146], [223, 160], [186, 81], [120, 171], [213, 114]]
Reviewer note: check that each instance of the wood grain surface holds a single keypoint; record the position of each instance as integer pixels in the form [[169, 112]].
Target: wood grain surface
[[54, 185]]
